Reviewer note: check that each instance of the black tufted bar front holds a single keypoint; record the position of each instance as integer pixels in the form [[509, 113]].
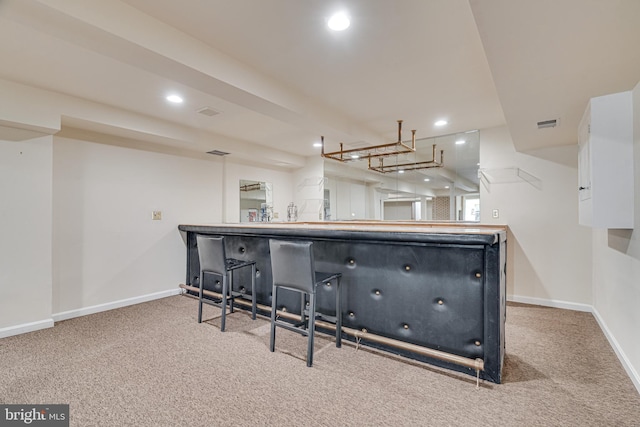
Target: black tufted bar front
[[437, 286]]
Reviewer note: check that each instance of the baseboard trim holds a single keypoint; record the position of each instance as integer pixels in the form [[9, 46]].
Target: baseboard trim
[[25, 327], [551, 303], [622, 357], [57, 317]]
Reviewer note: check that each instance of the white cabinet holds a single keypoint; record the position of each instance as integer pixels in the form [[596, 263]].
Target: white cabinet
[[605, 162]]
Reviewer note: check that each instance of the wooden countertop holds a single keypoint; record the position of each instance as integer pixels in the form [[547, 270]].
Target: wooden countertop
[[457, 228]]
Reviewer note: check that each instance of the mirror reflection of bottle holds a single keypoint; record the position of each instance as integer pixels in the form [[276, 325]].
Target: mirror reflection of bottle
[[292, 212]]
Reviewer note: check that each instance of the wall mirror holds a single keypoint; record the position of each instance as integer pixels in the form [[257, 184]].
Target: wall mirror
[[256, 201], [408, 190]]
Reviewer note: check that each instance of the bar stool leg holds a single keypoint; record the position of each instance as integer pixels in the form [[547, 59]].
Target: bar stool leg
[[312, 327], [225, 290], [229, 289], [338, 314], [200, 298], [274, 308], [253, 291]]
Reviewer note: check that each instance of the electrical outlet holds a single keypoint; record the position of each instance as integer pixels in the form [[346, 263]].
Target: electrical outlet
[[156, 215], [496, 213]]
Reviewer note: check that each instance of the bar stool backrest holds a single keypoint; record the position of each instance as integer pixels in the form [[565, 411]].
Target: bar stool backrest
[[292, 264], [211, 254]]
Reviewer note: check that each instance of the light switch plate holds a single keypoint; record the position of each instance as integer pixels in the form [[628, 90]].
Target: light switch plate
[[496, 213]]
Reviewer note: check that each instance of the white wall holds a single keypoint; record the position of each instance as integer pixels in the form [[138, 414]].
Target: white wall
[[25, 235], [350, 200], [398, 211], [616, 274], [77, 233], [549, 254], [106, 247], [75, 215]]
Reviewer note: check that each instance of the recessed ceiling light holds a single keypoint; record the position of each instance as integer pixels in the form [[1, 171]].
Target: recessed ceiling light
[[355, 156], [441, 123], [317, 144], [176, 99], [427, 180], [460, 141], [339, 21], [400, 171], [446, 186]]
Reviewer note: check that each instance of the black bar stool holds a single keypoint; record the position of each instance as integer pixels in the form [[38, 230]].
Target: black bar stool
[[293, 268], [213, 260]]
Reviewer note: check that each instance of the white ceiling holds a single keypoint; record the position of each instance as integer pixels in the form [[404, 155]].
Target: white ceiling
[[280, 78], [548, 57]]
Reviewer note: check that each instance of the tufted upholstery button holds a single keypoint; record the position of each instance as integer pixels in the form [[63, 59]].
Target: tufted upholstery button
[[407, 267], [377, 292], [440, 302], [243, 290], [242, 250], [351, 314], [352, 261], [406, 326], [284, 309], [478, 275], [477, 343], [328, 284], [364, 330]]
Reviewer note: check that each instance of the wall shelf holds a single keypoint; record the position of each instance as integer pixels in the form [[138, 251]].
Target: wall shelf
[[511, 175]]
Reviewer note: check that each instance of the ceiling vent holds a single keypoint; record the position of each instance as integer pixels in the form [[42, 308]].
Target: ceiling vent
[[208, 111], [547, 124], [217, 153]]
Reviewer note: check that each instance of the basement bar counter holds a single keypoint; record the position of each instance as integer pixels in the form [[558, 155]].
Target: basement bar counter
[[433, 292]]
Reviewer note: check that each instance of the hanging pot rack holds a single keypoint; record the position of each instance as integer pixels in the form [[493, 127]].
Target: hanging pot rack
[[428, 164], [385, 150]]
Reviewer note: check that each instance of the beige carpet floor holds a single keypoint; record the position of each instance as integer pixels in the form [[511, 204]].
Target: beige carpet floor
[[153, 365]]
